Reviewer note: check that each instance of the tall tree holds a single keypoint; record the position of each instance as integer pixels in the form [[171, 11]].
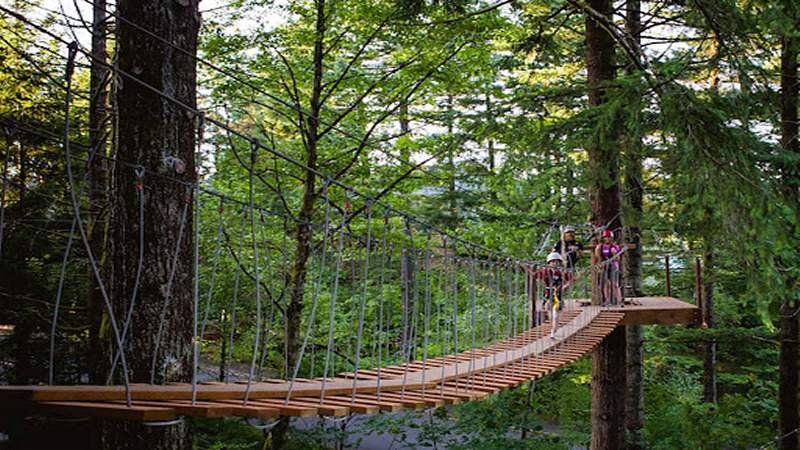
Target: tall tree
[[633, 204], [710, 350], [311, 138], [98, 179], [608, 381], [789, 335], [158, 134]]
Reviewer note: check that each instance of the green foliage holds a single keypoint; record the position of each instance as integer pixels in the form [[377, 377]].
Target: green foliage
[[225, 434], [505, 126]]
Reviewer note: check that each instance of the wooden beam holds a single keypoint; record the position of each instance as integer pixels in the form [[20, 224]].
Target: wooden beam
[[107, 410]]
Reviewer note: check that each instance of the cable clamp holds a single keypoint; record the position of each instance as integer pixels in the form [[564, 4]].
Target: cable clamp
[[174, 163], [139, 172]]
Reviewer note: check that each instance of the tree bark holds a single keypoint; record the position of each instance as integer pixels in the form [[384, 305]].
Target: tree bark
[[608, 392], [98, 179], [633, 204], [608, 360], [152, 128], [788, 383]]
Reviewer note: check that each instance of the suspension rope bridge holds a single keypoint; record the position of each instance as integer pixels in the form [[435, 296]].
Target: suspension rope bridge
[[392, 283], [469, 375]]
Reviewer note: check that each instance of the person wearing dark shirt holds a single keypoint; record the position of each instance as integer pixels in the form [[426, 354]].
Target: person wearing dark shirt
[[573, 249]]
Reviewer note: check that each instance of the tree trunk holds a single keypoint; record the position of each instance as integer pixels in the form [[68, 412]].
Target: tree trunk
[[633, 199], [152, 128], [304, 233], [788, 389], [634, 400], [710, 353], [608, 380], [490, 126], [451, 166], [608, 392], [403, 114], [98, 180]]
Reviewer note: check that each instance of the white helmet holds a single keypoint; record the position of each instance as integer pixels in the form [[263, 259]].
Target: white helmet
[[555, 256], [569, 229]]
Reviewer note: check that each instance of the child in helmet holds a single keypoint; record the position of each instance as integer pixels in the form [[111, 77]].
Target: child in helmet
[[606, 253], [556, 279]]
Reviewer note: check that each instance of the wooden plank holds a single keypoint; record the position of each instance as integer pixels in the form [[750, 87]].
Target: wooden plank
[[369, 404], [292, 411], [323, 409], [185, 408], [107, 410], [468, 394], [254, 412], [427, 399], [405, 401]]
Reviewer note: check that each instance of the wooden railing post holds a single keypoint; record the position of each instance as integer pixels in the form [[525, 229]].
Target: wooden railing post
[[666, 269], [531, 274]]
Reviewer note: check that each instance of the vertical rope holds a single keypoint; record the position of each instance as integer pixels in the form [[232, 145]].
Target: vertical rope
[[472, 295], [315, 296], [404, 275], [334, 293], [57, 305], [388, 308], [443, 326], [73, 48], [455, 307], [498, 267], [170, 280], [414, 307], [63, 272], [363, 302], [427, 313], [196, 295], [271, 310], [196, 266], [486, 278], [387, 256], [509, 315], [236, 280], [254, 145], [139, 171], [214, 263]]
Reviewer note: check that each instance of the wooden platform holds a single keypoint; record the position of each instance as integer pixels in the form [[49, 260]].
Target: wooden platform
[[653, 311], [470, 375]]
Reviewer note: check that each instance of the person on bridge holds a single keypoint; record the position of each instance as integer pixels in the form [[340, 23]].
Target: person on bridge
[[607, 254], [556, 279], [569, 247]]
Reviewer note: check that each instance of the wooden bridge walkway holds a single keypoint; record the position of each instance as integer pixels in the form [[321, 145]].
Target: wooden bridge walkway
[[469, 375]]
